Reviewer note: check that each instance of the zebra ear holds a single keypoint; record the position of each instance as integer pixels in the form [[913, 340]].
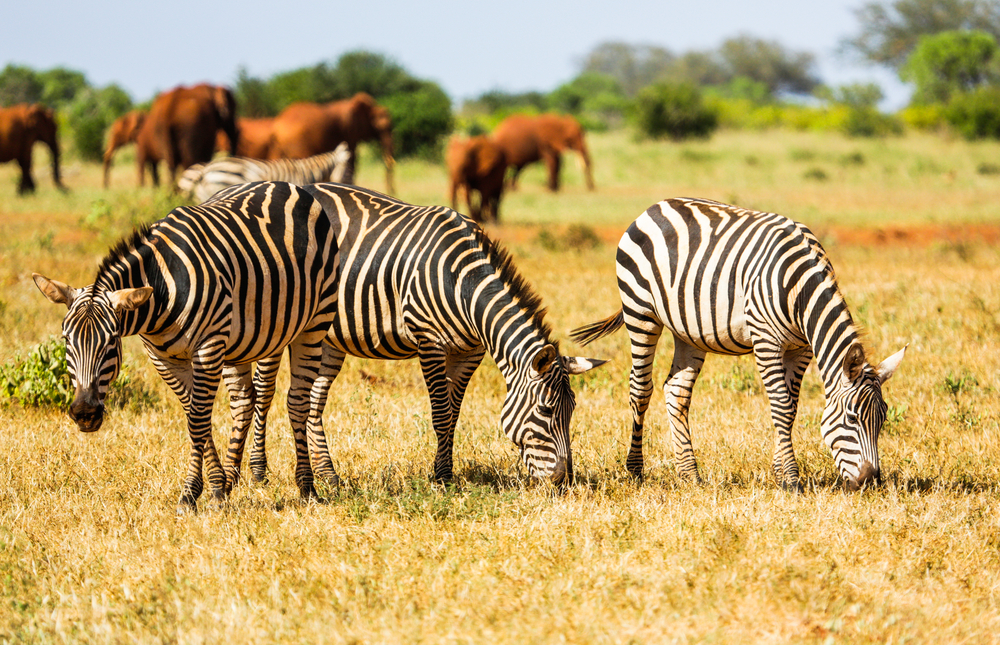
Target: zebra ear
[[579, 365], [544, 360], [888, 367], [57, 292], [129, 299], [854, 362]]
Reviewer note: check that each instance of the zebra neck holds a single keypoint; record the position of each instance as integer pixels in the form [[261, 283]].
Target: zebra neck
[[138, 268], [511, 336], [831, 332]]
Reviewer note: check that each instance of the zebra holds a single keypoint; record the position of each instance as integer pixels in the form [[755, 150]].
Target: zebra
[[427, 282], [207, 288], [727, 280], [204, 180]]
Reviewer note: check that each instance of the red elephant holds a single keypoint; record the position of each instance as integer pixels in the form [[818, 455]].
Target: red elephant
[[526, 139], [123, 131], [20, 127], [181, 127], [306, 129], [256, 138], [477, 165]]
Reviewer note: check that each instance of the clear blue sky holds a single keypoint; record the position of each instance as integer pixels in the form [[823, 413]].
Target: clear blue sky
[[468, 47]]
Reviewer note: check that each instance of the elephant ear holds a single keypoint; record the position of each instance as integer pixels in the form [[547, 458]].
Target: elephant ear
[[222, 102]]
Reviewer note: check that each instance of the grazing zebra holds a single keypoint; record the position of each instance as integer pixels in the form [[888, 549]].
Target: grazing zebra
[[204, 180], [732, 281], [232, 281], [427, 282]]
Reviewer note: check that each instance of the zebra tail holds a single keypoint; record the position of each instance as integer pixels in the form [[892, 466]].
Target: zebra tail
[[589, 333]]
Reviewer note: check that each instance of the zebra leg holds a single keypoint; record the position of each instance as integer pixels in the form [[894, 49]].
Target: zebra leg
[[242, 398], [319, 452], [643, 339], [447, 377], [677, 388], [781, 371], [264, 379], [305, 358], [206, 374]]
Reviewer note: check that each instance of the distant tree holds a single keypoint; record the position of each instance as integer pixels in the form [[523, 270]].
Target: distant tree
[[703, 68], [976, 114], [499, 101], [302, 84], [768, 62], [594, 98], [950, 63], [634, 66], [60, 86], [365, 71], [19, 84], [421, 118], [890, 30], [254, 96]]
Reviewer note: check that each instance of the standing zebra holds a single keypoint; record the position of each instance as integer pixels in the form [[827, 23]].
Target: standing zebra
[[232, 281], [204, 180], [733, 281], [427, 282]]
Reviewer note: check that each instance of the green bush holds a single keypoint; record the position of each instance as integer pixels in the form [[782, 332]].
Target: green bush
[[41, 379], [421, 119], [976, 115], [674, 110], [90, 115], [869, 122]]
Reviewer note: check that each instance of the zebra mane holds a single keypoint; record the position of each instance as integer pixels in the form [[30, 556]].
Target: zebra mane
[[503, 263], [121, 250]]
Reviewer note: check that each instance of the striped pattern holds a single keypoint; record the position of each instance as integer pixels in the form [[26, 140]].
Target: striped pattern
[[220, 285], [426, 282], [204, 180], [732, 281]]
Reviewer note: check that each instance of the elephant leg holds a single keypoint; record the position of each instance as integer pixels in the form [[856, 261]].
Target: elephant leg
[[553, 161], [27, 184], [512, 184]]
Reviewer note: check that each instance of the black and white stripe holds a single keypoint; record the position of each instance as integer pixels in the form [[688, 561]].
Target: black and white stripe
[[732, 281], [204, 180], [233, 281], [426, 282]]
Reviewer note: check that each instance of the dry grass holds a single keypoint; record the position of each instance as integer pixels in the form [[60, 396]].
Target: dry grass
[[90, 550]]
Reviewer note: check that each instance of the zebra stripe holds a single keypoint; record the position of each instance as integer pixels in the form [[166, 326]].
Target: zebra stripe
[[727, 280], [427, 282], [209, 287], [204, 180]]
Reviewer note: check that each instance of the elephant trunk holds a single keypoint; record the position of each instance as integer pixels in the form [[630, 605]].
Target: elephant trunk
[[53, 145], [585, 156]]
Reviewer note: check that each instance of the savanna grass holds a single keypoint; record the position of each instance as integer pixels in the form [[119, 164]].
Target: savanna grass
[[90, 550]]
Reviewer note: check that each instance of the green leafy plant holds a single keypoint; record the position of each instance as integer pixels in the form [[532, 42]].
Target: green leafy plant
[[675, 111]]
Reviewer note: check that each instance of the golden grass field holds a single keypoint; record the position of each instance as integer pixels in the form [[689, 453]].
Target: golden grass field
[[91, 550]]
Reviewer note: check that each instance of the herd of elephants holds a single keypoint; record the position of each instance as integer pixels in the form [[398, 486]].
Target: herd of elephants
[[718, 278], [188, 125]]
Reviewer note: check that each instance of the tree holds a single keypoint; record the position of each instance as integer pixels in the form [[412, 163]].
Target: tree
[[634, 66], [674, 110], [254, 96], [949, 63], [19, 84], [890, 30], [60, 86], [594, 98], [90, 115], [768, 62], [420, 119]]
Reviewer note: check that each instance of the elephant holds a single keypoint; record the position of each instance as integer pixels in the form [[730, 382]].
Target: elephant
[[255, 138], [477, 164], [122, 132], [305, 129], [181, 127], [20, 127], [525, 139]]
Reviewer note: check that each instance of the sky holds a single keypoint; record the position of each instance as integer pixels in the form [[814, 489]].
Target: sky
[[467, 47]]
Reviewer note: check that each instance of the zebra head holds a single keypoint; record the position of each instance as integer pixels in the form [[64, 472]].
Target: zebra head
[[537, 412], [853, 417], [92, 331]]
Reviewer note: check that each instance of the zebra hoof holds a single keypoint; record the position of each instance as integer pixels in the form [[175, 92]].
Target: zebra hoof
[[792, 487], [260, 479], [187, 506]]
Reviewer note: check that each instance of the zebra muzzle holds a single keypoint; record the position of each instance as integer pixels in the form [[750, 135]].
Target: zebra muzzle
[[562, 473], [868, 474], [87, 412]]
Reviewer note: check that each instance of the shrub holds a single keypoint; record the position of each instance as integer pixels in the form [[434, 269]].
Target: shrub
[[420, 120], [41, 379], [674, 110], [923, 117], [869, 122], [91, 114], [976, 115]]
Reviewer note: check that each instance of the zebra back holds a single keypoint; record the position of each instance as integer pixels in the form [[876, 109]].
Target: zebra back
[[204, 180]]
